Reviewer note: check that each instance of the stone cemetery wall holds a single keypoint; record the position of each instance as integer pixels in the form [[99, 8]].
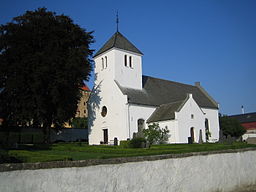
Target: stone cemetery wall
[[230, 170]]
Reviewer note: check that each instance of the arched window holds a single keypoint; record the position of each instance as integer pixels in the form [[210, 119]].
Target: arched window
[[104, 111], [106, 61], [207, 130], [141, 125], [125, 60], [130, 61]]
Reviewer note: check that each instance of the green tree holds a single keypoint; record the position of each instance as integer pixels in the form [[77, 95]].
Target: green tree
[[156, 135], [79, 122], [44, 59], [231, 126]]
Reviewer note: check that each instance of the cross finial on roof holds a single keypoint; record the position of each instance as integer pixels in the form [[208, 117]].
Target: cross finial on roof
[[117, 21]]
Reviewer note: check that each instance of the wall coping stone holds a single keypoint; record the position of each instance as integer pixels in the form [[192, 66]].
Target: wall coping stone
[[93, 162]]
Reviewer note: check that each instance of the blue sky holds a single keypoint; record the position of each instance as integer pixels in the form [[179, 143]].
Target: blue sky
[[211, 41]]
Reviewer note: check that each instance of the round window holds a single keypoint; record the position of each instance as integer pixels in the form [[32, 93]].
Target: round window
[[104, 111]]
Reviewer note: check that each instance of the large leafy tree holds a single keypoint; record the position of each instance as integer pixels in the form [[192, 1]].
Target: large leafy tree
[[231, 126], [44, 59]]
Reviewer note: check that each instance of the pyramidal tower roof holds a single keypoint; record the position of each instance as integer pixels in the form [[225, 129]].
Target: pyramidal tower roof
[[120, 42]]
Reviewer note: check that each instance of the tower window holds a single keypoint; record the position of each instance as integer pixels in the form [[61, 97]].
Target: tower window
[[192, 116], [125, 60], [102, 63], [130, 61], [106, 61]]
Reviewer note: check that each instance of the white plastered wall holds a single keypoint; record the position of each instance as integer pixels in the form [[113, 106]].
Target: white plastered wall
[[213, 118], [115, 120], [137, 112], [172, 126], [186, 122], [126, 76], [106, 93], [201, 173], [248, 135]]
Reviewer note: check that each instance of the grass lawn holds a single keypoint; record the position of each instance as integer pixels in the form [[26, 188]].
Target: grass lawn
[[82, 151]]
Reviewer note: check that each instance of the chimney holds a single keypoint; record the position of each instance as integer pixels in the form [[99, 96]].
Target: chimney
[[197, 84]]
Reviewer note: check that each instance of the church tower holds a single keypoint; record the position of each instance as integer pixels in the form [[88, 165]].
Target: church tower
[[119, 60], [118, 64]]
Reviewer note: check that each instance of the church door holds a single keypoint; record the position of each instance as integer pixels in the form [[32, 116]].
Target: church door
[[105, 136]]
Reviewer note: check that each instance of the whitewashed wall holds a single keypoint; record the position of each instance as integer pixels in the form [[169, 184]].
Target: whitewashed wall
[[107, 93], [207, 173], [213, 117], [139, 112], [185, 122], [116, 118], [127, 76], [173, 130], [248, 135]]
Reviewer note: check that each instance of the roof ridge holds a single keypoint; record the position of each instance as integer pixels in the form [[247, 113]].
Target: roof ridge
[[170, 81], [114, 39]]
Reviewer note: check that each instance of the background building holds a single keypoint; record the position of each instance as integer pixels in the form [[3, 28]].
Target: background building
[[82, 105], [248, 121]]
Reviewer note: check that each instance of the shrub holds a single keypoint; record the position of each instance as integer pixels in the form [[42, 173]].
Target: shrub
[[231, 126], [155, 135], [125, 144], [79, 122], [6, 158], [138, 142]]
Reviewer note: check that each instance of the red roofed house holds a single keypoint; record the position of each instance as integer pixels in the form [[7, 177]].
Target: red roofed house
[[248, 121], [82, 104]]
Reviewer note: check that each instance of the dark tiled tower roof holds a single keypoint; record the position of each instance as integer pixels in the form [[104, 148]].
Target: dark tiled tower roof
[[120, 42]]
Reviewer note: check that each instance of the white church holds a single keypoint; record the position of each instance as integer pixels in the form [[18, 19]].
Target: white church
[[124, 102]]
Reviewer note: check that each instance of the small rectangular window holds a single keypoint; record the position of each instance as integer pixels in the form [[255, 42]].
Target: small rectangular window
[[130, 61], [106, 61], [102, 63]]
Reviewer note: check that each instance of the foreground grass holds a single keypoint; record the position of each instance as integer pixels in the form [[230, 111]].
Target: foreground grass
[[81, 151]]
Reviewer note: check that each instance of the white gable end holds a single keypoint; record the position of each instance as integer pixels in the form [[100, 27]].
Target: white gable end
[[190, 117]]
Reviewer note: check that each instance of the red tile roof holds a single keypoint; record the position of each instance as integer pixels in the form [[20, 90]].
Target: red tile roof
[[85, 88], [249, 126]]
